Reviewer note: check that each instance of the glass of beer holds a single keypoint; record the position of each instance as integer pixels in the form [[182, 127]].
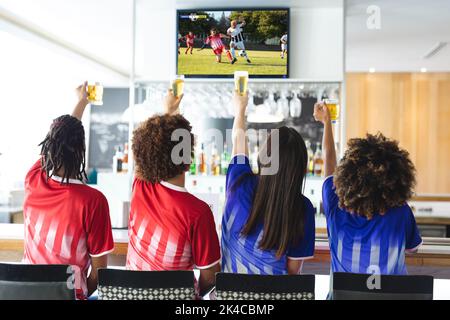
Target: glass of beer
[[177, 85], [95, 94], [333, 107], [241, 81]]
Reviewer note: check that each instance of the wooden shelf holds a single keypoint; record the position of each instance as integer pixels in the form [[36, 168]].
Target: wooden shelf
[[148, 80]]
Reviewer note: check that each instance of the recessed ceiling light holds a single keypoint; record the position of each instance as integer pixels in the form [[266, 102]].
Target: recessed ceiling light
[[372, 70], [423, 70]]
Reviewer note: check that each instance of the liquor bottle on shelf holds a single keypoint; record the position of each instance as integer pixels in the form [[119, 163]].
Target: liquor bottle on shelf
[[125, 158], [215, 161], [202, 167], [318, 161], [310, 163], [193, 166], [254, 160], [224, 160], [117, 160]]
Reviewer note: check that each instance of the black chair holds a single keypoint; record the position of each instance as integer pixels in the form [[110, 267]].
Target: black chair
[[114, 284], [36, 282], [233, 286], [352, 286]]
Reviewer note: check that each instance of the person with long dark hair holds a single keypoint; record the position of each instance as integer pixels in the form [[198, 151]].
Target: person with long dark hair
[[268, 225], [66, 221]]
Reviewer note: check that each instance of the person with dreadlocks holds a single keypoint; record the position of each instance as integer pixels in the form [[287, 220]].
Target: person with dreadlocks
[[370, 225], [66, 221]]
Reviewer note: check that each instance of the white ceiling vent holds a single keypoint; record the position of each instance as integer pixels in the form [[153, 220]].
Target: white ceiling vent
[[435, 50]]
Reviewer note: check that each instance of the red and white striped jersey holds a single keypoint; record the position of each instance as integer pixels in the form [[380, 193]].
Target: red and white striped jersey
[[170, 229], [65, 224], [189, 39], [214, 41]]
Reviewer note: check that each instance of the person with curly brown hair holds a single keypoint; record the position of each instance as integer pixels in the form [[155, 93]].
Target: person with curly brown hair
[[169, 228], [370, 225]]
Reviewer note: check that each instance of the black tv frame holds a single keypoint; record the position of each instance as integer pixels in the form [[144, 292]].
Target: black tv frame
[[224, 76]]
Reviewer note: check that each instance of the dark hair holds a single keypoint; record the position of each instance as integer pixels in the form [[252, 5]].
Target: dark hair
[[278, 202], [214, 29], [64, 148], [374, 175], [152, 148]]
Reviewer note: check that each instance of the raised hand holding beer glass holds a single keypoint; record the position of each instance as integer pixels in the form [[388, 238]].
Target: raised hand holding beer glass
[[172, 103], [81, 92], [240, 101], [333, 107], [95, 93], [241, 81], [177, 85], [321, 112], [82, 97]]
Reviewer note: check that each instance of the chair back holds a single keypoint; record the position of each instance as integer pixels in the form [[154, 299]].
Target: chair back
[[116, 284], [36, 282], [352, 286], [233, 286]]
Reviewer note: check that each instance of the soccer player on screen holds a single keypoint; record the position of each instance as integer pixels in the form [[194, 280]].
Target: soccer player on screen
[[189, 42], [237, 40], [215, 41], [284, 44]]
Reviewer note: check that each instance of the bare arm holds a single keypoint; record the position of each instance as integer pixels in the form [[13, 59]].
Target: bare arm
[[294, 266], [208, 278], [96, 263], [322, 114], [82, 101], [240, 145], [172, 103]]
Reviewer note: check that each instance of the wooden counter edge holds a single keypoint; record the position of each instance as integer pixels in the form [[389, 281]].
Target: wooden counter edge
[[320, 255]]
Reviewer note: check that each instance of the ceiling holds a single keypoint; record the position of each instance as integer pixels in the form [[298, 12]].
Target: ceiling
[[409, 28]]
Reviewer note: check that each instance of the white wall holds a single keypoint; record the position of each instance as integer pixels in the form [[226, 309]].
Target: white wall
[[408, 30], [37, 82], [316, 36], [100, 27], [317, 43]]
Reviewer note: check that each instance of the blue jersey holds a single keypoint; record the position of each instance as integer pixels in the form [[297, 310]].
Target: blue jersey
[[242, 254], [359, 245]]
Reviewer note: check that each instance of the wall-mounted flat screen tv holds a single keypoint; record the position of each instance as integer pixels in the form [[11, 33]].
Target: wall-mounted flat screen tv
[[215, 43]]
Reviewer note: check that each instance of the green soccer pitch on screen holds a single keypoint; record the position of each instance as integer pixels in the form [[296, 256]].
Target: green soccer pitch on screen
[[216, 43]]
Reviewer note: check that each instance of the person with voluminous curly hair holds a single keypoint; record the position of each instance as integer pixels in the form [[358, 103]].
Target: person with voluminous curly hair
[[66, 221], [169, 228], [370, 225]]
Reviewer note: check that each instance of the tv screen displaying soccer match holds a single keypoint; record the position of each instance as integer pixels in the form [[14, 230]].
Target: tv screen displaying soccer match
[[215, 43]]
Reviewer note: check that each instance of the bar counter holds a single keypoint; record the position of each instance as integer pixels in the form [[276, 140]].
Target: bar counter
[[433, 252]]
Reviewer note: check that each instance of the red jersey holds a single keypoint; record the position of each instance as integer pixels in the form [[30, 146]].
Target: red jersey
[[170, 229], [215, 41], [190, 39], [65, 224]]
